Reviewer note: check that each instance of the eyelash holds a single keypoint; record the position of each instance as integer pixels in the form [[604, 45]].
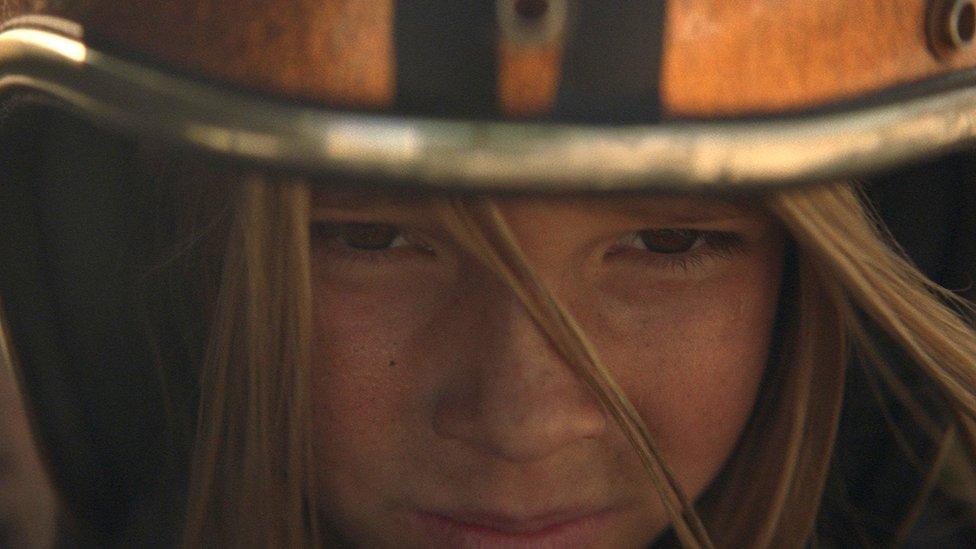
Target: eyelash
[[709, 246], [325, 234]]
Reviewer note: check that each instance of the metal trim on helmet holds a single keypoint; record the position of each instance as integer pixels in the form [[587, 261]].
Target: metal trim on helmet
[[477, 154]]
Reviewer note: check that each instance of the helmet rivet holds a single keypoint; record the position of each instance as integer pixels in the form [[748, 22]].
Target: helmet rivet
[[532, 21], [962, 23], [950, 27], [531, 9]]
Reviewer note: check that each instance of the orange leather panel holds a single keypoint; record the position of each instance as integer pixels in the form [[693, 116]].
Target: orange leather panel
[[744, 56], [721, 57], [337, 51], [528, 78]]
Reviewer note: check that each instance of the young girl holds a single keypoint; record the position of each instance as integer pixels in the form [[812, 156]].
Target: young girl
[[355, 329], [470, 359]]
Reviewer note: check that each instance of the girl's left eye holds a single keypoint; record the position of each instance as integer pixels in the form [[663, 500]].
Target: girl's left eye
[[676, 248], [369, 237], [360, 243], [667, 241]]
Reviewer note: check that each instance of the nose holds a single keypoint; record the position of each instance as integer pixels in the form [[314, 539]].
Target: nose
[[511, 394]]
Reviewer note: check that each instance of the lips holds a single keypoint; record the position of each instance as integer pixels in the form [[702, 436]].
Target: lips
[[563, 528]]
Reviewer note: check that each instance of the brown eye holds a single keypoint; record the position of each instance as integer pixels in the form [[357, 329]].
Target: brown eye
[[668, 241], [363, 236]]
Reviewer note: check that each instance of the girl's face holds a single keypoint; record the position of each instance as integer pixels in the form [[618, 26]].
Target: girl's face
[[445, 418]]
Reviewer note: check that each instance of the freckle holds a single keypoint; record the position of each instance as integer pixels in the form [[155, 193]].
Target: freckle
[[392, 364]]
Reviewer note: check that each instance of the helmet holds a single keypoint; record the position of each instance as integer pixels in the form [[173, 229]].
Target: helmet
[[696, 96], [511, 96]]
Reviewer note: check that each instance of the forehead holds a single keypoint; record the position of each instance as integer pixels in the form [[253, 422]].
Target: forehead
[[676, 208]]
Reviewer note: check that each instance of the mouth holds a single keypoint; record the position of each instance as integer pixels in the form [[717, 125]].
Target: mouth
[[563, 528]]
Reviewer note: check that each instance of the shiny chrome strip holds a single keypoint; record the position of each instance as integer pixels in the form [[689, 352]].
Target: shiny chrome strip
[[479, 154]]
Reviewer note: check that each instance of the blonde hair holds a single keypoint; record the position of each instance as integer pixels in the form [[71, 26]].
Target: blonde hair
[[253, 465], [253, 455]]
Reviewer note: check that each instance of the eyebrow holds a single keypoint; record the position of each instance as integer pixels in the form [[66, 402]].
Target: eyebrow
[[359, 201], [681, 209], [671, 209]]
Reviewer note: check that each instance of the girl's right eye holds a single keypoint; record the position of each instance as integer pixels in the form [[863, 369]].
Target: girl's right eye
[[669, 241], [366, 237]]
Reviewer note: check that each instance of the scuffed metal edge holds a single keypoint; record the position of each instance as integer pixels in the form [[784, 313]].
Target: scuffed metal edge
[[483, 155]]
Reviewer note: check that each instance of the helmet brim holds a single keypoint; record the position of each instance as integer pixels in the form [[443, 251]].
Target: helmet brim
[[753, 153]]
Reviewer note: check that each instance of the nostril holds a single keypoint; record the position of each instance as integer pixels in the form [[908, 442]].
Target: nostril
[[519, 426]]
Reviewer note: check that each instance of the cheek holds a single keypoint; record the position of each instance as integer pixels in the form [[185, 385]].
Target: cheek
[[352, 384], [363, 393], [373, 370], [692, 362], [363, 379]]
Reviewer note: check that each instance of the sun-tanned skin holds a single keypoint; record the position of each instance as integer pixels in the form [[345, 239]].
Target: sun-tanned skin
[[443, 415]]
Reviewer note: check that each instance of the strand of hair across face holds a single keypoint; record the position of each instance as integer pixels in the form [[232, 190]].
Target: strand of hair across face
[[480, 227]]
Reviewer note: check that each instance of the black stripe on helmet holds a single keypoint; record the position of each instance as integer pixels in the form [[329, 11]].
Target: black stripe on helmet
[[612, 63], [446, 58]]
